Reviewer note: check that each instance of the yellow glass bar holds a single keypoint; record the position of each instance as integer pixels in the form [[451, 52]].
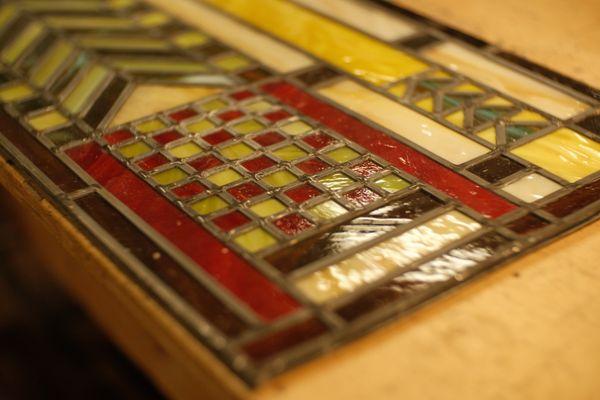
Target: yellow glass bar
[[121, 42], [62, 5], [89, 23], [50, 63], [348, 49], [386, 257], [22, 41], [88, 84], [14, 91], [6, 14], [47, 120], [159, 65], [564, 152]]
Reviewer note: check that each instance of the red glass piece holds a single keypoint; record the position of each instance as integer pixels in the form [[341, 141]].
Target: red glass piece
[[217, 137], [224, 265], [245, 191], [398, 154], [366, 169], [318, 140], [167, 137], [293, 224], [188, 190], [118, 136], [153, 161], [312, 166], [277, 115], [526, 224], [268, 138], [258, 164], [243, 95], [183, 114], [230, 221], [361, 197], [301, 193], [231, 115], [204, 163]]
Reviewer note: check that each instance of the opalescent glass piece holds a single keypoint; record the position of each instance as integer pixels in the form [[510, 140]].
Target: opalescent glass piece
[[389, 256], [255, 240], [185, 150], [504, 79], [225, 177], [21, 42], [405, 122], [267, 208], [348, 49], [236, 151], [47, 120], [289, 153], [208, 205], [532, 187], [85, 88], [563, 152], [279, 178]]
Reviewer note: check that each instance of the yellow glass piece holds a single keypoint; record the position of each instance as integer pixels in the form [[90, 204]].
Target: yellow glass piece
[[225, 177], [343, 154], [498, 101], [528, 116], [404, 122], [488, 134], [564, 152], [122, 42], [185, 150], [50, 63], [212, 105], [532, 187], [289, 153], [247, 127], [336, 181], [279, 178], [327, 210], [467, 88], [209, 205], [190, 39], [236, 151], [232, 62], [344, 47], [160, 65], [153, 19], [120, 4], [391, 183], [457, 118], [398, 90], [388, 256], [47, 120], [200, 126], [86, 87], [150, 126], [255, 240], [169, 176], [61, 5], [134, 149], [6, 14], [89, 23], [296, 128], [259, 106], [267, 208], [425, 104], [19, 44], [14, 91]]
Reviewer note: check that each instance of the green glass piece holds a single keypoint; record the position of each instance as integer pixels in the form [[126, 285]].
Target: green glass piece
[[516, 132]]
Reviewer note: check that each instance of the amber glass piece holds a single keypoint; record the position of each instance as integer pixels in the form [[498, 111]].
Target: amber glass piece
[[191, 291], [353, 232], [277, 342], [576, 200], [453, 263]]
